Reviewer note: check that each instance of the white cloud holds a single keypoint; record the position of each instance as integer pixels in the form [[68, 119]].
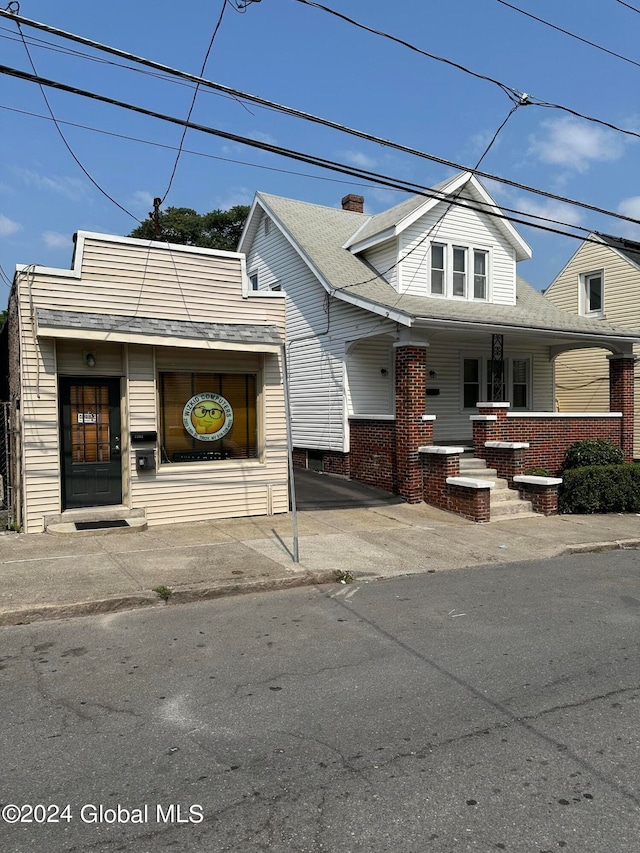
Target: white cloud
[[548, 208], [56, 240], [142, 199], [233, 196], [8, 226], [359, 159], [73, 188], [575, 144], [262, 137], [630, 207]]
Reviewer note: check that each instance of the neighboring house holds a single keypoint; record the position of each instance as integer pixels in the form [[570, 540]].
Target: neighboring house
[[147, 382], [398, 324], [601, 282]]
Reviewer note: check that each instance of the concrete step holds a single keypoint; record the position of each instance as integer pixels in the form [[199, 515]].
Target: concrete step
[[503, 494], [512, 509], [98, 521]]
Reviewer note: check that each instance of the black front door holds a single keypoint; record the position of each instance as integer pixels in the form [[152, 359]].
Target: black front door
[[91, 457]]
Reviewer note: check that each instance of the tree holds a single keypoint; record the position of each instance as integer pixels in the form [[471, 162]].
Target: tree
[[218, 229]]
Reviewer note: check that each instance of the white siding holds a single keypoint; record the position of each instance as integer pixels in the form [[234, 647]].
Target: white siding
[[370, 370], [318, 331], [445, 359], [384, 259], [582, 376], [132, 279], [461, 227]]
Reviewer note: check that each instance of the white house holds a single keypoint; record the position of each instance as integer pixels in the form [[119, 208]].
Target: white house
[[398, 324]]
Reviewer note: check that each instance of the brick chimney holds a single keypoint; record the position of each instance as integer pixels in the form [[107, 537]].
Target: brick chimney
[[354, 203]]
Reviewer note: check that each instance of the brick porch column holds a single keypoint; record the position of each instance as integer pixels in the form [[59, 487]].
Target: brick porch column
[[412, 431], [621, 396]]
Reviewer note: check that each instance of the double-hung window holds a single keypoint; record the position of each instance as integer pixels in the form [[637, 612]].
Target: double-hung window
[[592, 293], [477, 374], [460, 272]]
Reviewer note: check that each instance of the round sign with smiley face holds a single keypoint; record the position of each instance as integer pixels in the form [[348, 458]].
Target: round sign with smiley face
[[207, 416]]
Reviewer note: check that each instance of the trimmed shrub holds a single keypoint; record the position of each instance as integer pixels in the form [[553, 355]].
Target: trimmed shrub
[[592, 451], [538, 472], [600, 488]]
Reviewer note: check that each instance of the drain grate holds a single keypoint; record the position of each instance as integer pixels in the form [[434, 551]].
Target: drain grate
[[101, 525]]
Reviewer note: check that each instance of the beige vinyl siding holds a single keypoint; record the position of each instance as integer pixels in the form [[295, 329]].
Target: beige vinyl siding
[[384, 259], [461, 227], [70, 357], [370, 370], [445, 359], [133, 279], [318, 331], [582, 376]]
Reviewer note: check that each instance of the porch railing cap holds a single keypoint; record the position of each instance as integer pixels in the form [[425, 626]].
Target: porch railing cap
[[441, 449], [470, 483], [507, 445], [530, 479]]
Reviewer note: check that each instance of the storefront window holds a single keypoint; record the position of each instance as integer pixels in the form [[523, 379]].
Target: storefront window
[[206, 417]]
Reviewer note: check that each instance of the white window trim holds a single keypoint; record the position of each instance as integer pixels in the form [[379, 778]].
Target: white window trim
[[254, 275], [583, 301], [508, 379], [469, 248]]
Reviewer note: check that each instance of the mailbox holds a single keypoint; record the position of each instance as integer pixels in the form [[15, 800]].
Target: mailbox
[[145, 460]]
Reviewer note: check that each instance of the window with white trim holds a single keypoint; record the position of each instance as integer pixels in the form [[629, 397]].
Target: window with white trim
[[458, 272], [253, 279], [476, 375], [592, 293]]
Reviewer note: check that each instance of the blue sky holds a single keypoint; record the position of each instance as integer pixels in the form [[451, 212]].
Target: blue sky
[[300, 56]]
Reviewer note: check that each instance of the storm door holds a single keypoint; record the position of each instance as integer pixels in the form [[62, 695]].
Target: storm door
[[91, 457]]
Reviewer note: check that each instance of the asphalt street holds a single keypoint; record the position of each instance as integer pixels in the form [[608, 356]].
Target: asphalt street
[[483, 709]]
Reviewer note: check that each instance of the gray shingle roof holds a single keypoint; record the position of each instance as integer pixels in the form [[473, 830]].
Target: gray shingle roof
[[320, 232], [629, 248], [249, 333]]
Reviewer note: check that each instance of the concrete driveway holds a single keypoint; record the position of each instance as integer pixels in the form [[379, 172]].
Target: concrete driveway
[[316, 491]]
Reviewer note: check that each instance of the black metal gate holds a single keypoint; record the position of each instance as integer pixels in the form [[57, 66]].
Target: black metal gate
[[7, 507]]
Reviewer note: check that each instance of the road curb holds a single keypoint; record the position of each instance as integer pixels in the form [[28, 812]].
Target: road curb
[[600, 547], [40, 613]]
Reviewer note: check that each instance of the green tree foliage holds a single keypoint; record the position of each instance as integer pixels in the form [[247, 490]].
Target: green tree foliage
[[218, 229]]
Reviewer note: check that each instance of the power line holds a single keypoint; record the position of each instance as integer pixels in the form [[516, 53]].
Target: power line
[[367, 185], [374, 177], [193, 100], [236, 93], [63, 137], [633, 8], [570, 34], [313, 159], [508, 90]]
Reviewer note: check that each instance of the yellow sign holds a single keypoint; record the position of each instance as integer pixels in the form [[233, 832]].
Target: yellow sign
[[207, 416]]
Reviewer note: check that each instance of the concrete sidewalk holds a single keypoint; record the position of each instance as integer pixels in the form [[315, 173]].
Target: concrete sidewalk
[[45, 576]]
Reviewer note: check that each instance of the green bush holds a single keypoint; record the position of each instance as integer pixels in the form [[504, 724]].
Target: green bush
[[592, 451], [600, 488], [538, 472]]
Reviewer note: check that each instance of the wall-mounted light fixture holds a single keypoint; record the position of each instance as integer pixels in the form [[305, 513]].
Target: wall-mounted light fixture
[[384, 371], [433, 374], [89, 359]]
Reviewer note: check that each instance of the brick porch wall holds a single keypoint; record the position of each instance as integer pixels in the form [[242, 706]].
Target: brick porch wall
[[372, 451]]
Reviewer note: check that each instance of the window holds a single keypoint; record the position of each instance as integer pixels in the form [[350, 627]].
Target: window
[[267, 225], [479, 274], [437, 268], [253, 278], [516, 382], [471, 382], [451, 268], [206, 417], [593, 293]]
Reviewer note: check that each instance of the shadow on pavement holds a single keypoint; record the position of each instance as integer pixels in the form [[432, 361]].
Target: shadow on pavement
[[316, 491]]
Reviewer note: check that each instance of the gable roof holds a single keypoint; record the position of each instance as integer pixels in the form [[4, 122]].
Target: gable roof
[[319, 234], [394, 221], [627, 248]]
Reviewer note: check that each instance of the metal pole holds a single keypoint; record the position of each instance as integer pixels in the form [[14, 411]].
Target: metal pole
[[292, 487]]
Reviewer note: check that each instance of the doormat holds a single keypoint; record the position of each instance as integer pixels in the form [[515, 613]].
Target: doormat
[[101, 525]]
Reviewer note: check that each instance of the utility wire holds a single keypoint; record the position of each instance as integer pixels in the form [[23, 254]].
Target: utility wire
[[633, 8], [367, 185], [236, 93], [193, 100], [508, 90], [572, 35], [63, 137], [6, 278], [313, 159]]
